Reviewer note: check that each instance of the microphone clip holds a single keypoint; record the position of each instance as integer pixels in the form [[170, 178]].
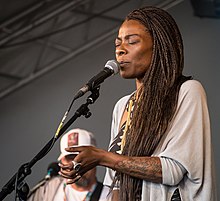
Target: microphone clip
[[84, 110], [94, 95]]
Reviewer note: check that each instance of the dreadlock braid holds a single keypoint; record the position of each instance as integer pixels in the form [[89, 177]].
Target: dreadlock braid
[[159, 93]]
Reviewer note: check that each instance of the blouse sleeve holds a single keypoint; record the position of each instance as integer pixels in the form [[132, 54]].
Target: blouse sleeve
[[186, 149]]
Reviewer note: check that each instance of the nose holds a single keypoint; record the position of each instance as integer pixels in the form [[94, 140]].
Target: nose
[[120, 51]]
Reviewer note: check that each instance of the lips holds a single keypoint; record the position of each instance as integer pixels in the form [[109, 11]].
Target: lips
[[123, 63]]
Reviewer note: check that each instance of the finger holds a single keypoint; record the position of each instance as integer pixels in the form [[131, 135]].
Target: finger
[[66, 166], [67, 175], [63, 175], [69, 172], [78, 149], [72, 149], [71, 181]]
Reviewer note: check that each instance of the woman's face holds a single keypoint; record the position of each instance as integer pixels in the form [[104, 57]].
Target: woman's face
[[133, 49]]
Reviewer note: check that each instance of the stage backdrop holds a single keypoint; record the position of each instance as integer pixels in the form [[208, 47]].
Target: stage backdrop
[[30, 116]]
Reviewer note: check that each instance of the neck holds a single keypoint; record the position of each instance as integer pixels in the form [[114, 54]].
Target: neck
[[138, 87], [139, 83]]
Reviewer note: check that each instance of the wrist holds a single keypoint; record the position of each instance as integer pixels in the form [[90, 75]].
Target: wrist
[[110, 160]]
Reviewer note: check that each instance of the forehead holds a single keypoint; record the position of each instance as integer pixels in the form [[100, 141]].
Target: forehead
[[132, 27]]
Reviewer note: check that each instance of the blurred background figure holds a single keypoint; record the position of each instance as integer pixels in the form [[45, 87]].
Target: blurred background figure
[[55, 188], [52, 170]]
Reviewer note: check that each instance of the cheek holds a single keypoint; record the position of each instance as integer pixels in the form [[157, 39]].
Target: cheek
[[142, 63], [144, 57]]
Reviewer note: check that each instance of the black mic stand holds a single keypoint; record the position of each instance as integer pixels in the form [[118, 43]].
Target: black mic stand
[[17, 182]]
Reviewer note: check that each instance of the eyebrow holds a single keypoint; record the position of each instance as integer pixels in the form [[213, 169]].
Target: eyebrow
[[128, 36]]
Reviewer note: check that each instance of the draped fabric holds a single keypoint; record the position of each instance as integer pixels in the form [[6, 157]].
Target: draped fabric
[[185, 152]]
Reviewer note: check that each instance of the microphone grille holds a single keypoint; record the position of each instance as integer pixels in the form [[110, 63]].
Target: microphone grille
[[113, 65], [53, 169]]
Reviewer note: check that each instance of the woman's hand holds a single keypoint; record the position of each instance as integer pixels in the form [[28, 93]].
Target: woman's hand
[[88, 158], [67, 171]]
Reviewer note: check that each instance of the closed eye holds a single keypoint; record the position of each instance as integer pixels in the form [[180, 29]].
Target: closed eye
[[133, 42]]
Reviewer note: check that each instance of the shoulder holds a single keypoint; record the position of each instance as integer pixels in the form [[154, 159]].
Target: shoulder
[[54, 182], [122, 101], [45, 189], [192, 89]]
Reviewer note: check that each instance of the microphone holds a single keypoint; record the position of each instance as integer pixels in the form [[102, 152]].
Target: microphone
[[52, 170], [111, 67]]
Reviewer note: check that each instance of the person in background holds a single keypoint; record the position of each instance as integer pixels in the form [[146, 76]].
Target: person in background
[[160, 147], [86, 188]]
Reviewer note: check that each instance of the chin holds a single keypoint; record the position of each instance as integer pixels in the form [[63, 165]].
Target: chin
[[126, 76], [83, 182]]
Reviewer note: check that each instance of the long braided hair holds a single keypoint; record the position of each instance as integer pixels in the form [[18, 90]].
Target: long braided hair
[[158, 95]]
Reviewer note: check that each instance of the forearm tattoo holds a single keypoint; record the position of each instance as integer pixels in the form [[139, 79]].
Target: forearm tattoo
[[146, 168]]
